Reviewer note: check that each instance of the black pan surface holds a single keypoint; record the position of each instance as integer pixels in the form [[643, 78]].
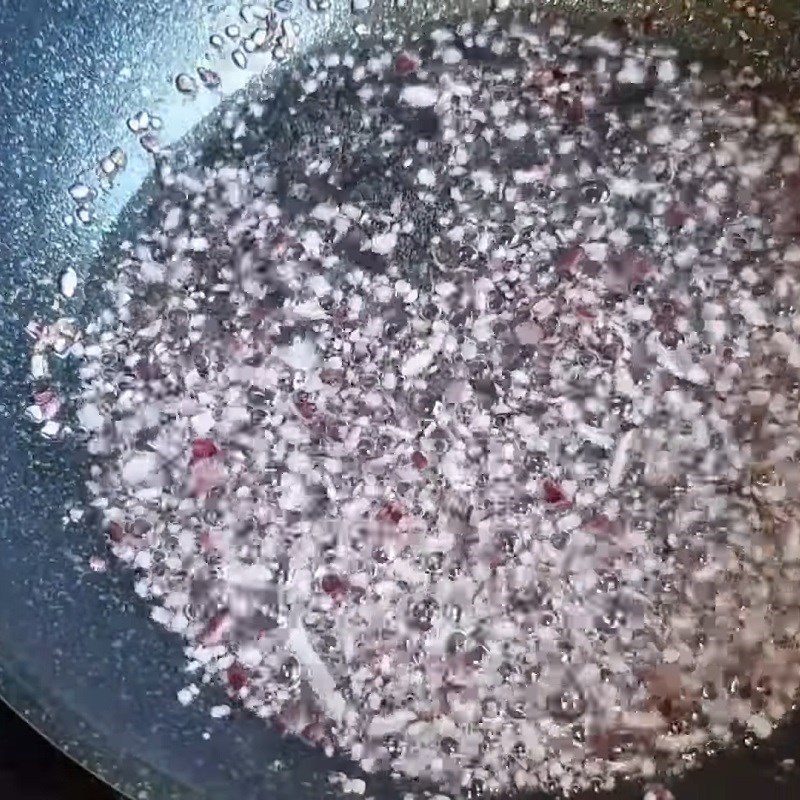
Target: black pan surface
[[80, 658]]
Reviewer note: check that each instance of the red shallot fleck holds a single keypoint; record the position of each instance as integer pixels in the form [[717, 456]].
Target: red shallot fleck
[[391, 512], [218, 626], [237, 677], [116, 533], [335, 586], [48, 402], [405, 64], [44, 397], [203, 448], [676, 216], [585, 313], [306, 408], [567, 263], [554, 494], [419, 460]]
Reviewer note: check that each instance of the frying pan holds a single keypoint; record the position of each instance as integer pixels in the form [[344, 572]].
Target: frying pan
[[79, 656]]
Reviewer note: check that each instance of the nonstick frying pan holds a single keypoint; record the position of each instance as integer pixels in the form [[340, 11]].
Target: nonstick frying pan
[[79, 658]]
